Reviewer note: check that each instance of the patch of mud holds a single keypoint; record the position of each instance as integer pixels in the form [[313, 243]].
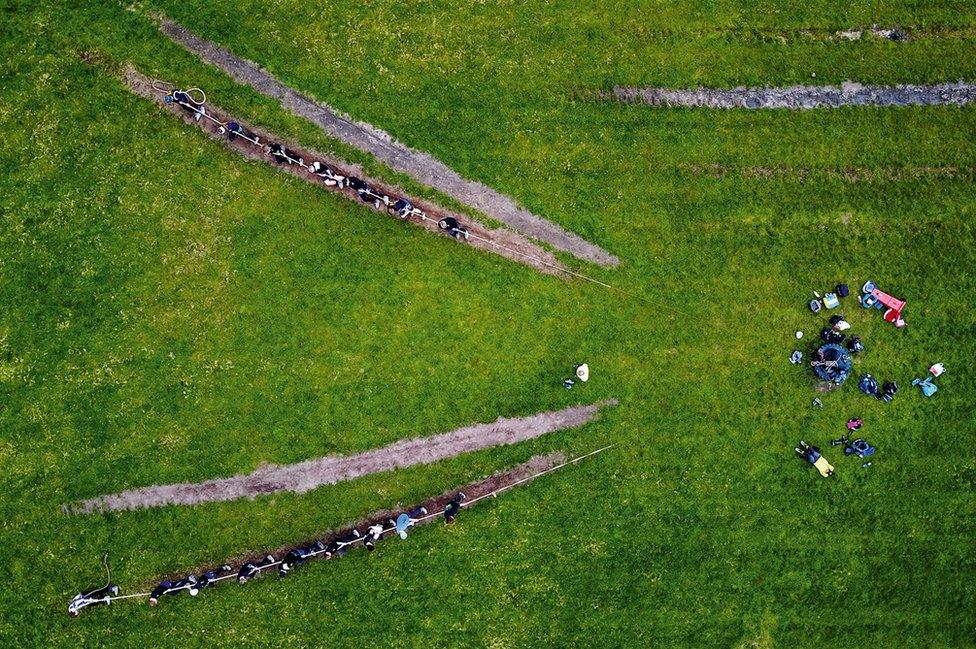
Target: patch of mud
[[509, 244], [419, 165], [304, 476], [798, 97], [847, 174], [478, 489]]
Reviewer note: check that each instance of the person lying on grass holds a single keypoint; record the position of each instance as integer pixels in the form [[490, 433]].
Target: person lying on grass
[[167, 587], [407, 520], [189, 105], [297, 557], [92, 597], [208, 578], [337, 546], [250, 570], [235, 130], [281, 155], [329, 176], [373, 534]]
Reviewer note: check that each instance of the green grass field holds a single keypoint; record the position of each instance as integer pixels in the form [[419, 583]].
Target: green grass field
[[170, 312]]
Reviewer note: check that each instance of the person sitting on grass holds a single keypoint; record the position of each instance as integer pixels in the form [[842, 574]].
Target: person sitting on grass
[[452, 508], [250, 570], [453, 227], [93, 597], [407, 520]]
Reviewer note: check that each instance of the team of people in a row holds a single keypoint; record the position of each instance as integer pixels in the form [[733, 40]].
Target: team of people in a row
[[337, 547], [330, 176]]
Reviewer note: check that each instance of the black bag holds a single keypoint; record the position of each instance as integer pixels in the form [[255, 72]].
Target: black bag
[[842, 290]]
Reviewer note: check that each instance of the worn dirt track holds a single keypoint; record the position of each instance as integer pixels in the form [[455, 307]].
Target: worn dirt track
[[310, 474], [799, 97], [498, 240], [846, 174], [419, 165]]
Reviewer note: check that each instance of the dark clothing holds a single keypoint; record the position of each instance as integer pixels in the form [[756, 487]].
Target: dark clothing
[[282, 155], [250, 569], [830, 336], [451, 510], [356, 183], [332, 548], [234, 129], [366, 193], [402, 208], [293, 559], [93, 597], [207, 579], [452, 227], [161, 589]]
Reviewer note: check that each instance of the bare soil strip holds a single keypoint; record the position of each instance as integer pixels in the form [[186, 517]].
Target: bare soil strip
[[847, 174], [304, 476], [798, 97], [893, 33], [510, 244], [492, 483], [419, 165]]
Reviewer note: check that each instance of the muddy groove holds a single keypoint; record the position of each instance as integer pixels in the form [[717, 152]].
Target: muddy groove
[[797, 97], [419, 165], [891, 33], [846, 174], [304, 476], [509, 244]]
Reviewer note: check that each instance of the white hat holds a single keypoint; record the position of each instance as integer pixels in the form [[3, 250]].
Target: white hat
[[583, 372]]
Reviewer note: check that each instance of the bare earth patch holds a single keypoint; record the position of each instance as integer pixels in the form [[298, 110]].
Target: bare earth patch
[[310, 474], [419, 165], [798, 97], [499, 241], [847, 174]]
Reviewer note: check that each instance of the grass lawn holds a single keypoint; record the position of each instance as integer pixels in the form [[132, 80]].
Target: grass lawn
[[170, 312]]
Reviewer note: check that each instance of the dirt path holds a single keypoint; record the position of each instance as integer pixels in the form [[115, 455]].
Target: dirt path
[[310, 474], [799, 97], [499, 241], [419, 165], [847, 174]]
